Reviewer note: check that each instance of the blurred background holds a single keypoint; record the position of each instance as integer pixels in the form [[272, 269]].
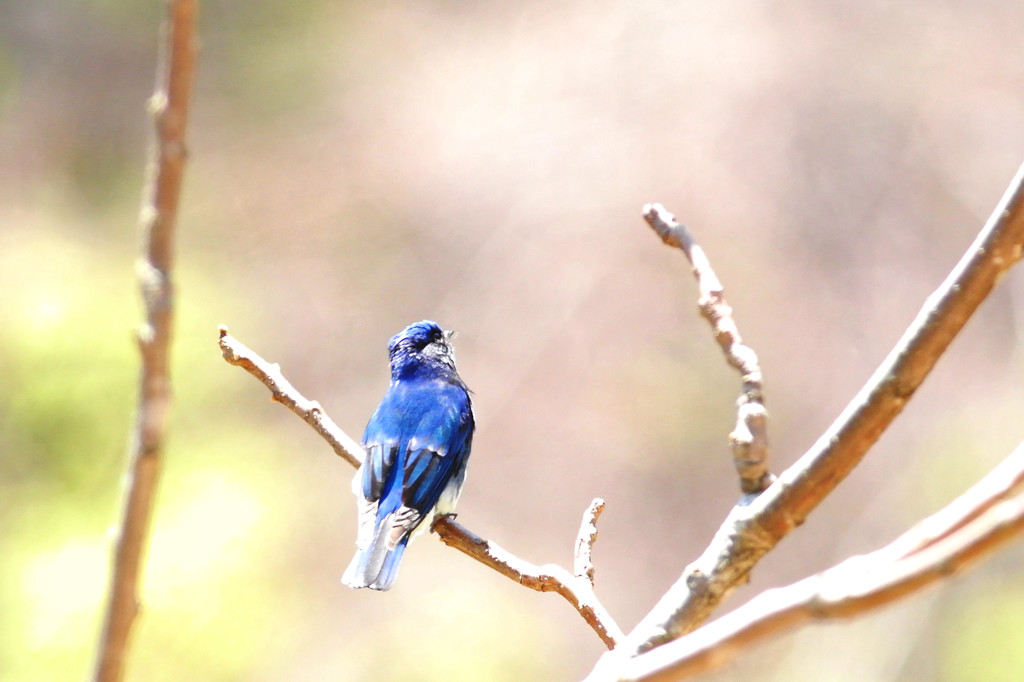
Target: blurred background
[[356, 166]]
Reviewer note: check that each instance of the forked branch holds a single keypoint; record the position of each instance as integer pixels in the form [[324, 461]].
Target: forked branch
[[577, 589], [751, 531], [970, 528]]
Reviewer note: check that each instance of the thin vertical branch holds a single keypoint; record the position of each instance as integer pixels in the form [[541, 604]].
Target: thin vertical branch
[[169, 109], [749, 440]]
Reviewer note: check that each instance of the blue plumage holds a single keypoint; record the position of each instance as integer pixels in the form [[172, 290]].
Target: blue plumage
[[417, 444]]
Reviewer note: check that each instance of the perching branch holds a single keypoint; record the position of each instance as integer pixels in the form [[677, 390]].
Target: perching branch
[[751, 531], [970, 528], [577, 590], [169, 108], [283, 392], [749, 439]]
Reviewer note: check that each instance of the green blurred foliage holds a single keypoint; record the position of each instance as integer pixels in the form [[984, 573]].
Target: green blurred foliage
[[69, 378], [982, 639], [70, 367], [66, 408]]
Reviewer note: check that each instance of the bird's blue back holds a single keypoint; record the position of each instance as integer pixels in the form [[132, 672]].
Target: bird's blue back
[[416, 441]]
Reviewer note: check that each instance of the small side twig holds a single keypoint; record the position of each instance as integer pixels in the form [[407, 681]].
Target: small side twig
[[583, 557], [169, 108], [749, 440], [967, 530], [578, 591]]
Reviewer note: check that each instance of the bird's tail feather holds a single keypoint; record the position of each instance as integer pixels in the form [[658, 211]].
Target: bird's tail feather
[[375, 566], [389, 569]]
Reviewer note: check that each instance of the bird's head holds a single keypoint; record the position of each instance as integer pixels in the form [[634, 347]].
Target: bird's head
[[421, 343]]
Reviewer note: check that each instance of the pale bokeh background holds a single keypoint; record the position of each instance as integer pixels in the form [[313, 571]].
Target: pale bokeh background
[[357, 166]]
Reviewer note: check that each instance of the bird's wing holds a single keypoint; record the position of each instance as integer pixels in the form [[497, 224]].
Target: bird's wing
[[437, 453]]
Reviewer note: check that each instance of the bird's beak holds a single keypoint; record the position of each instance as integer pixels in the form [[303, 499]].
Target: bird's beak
[[449, 334]]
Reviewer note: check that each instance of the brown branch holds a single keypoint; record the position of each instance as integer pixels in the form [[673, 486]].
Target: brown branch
[[578, 591], [749, 440], [169, 108], [750, 532], [583, 557], [281, 391], [855, 586]]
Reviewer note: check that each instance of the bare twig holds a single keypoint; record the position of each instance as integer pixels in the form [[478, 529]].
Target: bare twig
[[169, 108], [583, 557], [578, 591], [283, 392], [750, 532], [987, 520], [749, 439]]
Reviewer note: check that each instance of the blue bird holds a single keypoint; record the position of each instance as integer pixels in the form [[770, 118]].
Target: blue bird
[[417, 444]]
